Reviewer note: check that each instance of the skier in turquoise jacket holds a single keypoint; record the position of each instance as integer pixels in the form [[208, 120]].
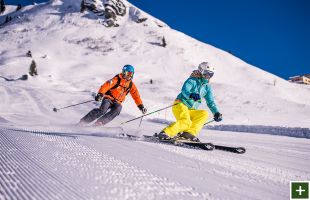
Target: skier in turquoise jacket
[[190, 120]]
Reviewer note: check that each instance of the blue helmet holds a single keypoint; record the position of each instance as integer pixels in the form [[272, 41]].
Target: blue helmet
[[128, 72], [128, 68]]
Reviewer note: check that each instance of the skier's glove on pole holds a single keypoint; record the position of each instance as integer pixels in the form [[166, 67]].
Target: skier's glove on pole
[[99, 97], [195, 96], [142, 108], [217, 117]]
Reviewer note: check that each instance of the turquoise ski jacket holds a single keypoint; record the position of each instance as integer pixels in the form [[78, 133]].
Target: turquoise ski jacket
[[200, 86]]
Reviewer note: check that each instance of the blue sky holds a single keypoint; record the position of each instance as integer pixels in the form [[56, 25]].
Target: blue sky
[[273, 35]]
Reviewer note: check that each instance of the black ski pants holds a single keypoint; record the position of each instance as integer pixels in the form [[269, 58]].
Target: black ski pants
[[102, 112]]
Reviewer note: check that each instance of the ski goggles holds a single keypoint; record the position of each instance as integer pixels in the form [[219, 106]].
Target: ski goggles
[[207, 73], [128, 74]]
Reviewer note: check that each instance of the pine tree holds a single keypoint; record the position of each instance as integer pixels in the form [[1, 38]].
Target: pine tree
[[19, 6], [164, 44], [83, 7], [33, 69], [2, 6]]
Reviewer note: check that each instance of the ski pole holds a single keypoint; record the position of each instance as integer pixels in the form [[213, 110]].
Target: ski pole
[[149, 113], [209, 122], [55, 109], [140, 122]]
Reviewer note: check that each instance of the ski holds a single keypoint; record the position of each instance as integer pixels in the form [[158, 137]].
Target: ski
[[182, 142], [186, 143], [238, 150]]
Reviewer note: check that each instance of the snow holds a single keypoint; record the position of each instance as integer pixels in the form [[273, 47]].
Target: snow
[[44, 157], [63, 165], [8, 9]]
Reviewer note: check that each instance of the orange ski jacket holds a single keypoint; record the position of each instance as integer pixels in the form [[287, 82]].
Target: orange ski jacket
[[117, 88]]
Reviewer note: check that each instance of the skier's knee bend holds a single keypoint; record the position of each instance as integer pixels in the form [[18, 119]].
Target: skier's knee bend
[[118, 110], [94, 113], [115, 111], [102, 109], [99, 112], [185, 124]]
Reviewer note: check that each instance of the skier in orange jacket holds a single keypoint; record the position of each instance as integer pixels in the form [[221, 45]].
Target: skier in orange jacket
[[112, 93]]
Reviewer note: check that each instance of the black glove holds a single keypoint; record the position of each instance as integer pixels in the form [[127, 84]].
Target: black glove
[[195, 96], [142, 108], [99, 97], [217, 117]]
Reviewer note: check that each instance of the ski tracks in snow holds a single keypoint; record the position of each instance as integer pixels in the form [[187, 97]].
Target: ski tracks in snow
[[33, 99], [61, 165], [265, 170], [40, 166], [24, 176]]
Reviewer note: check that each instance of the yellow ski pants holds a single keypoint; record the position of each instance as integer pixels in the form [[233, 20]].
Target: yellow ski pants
[[188, 120]]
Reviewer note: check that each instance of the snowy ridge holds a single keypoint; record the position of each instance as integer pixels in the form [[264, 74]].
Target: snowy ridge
[[273, 130], [8, 10]]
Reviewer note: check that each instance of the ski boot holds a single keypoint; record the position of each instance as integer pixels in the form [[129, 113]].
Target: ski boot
[[188, 136], [162, 136]]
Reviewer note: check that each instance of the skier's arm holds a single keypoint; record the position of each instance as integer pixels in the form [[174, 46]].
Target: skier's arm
[[135, 94], [108, 85], [186, 88], [210, 101]]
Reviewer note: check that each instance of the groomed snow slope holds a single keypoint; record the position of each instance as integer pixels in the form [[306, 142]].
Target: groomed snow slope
[[37, 163]]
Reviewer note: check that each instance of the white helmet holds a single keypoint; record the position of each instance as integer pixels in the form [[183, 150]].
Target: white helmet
[[205, 69]]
